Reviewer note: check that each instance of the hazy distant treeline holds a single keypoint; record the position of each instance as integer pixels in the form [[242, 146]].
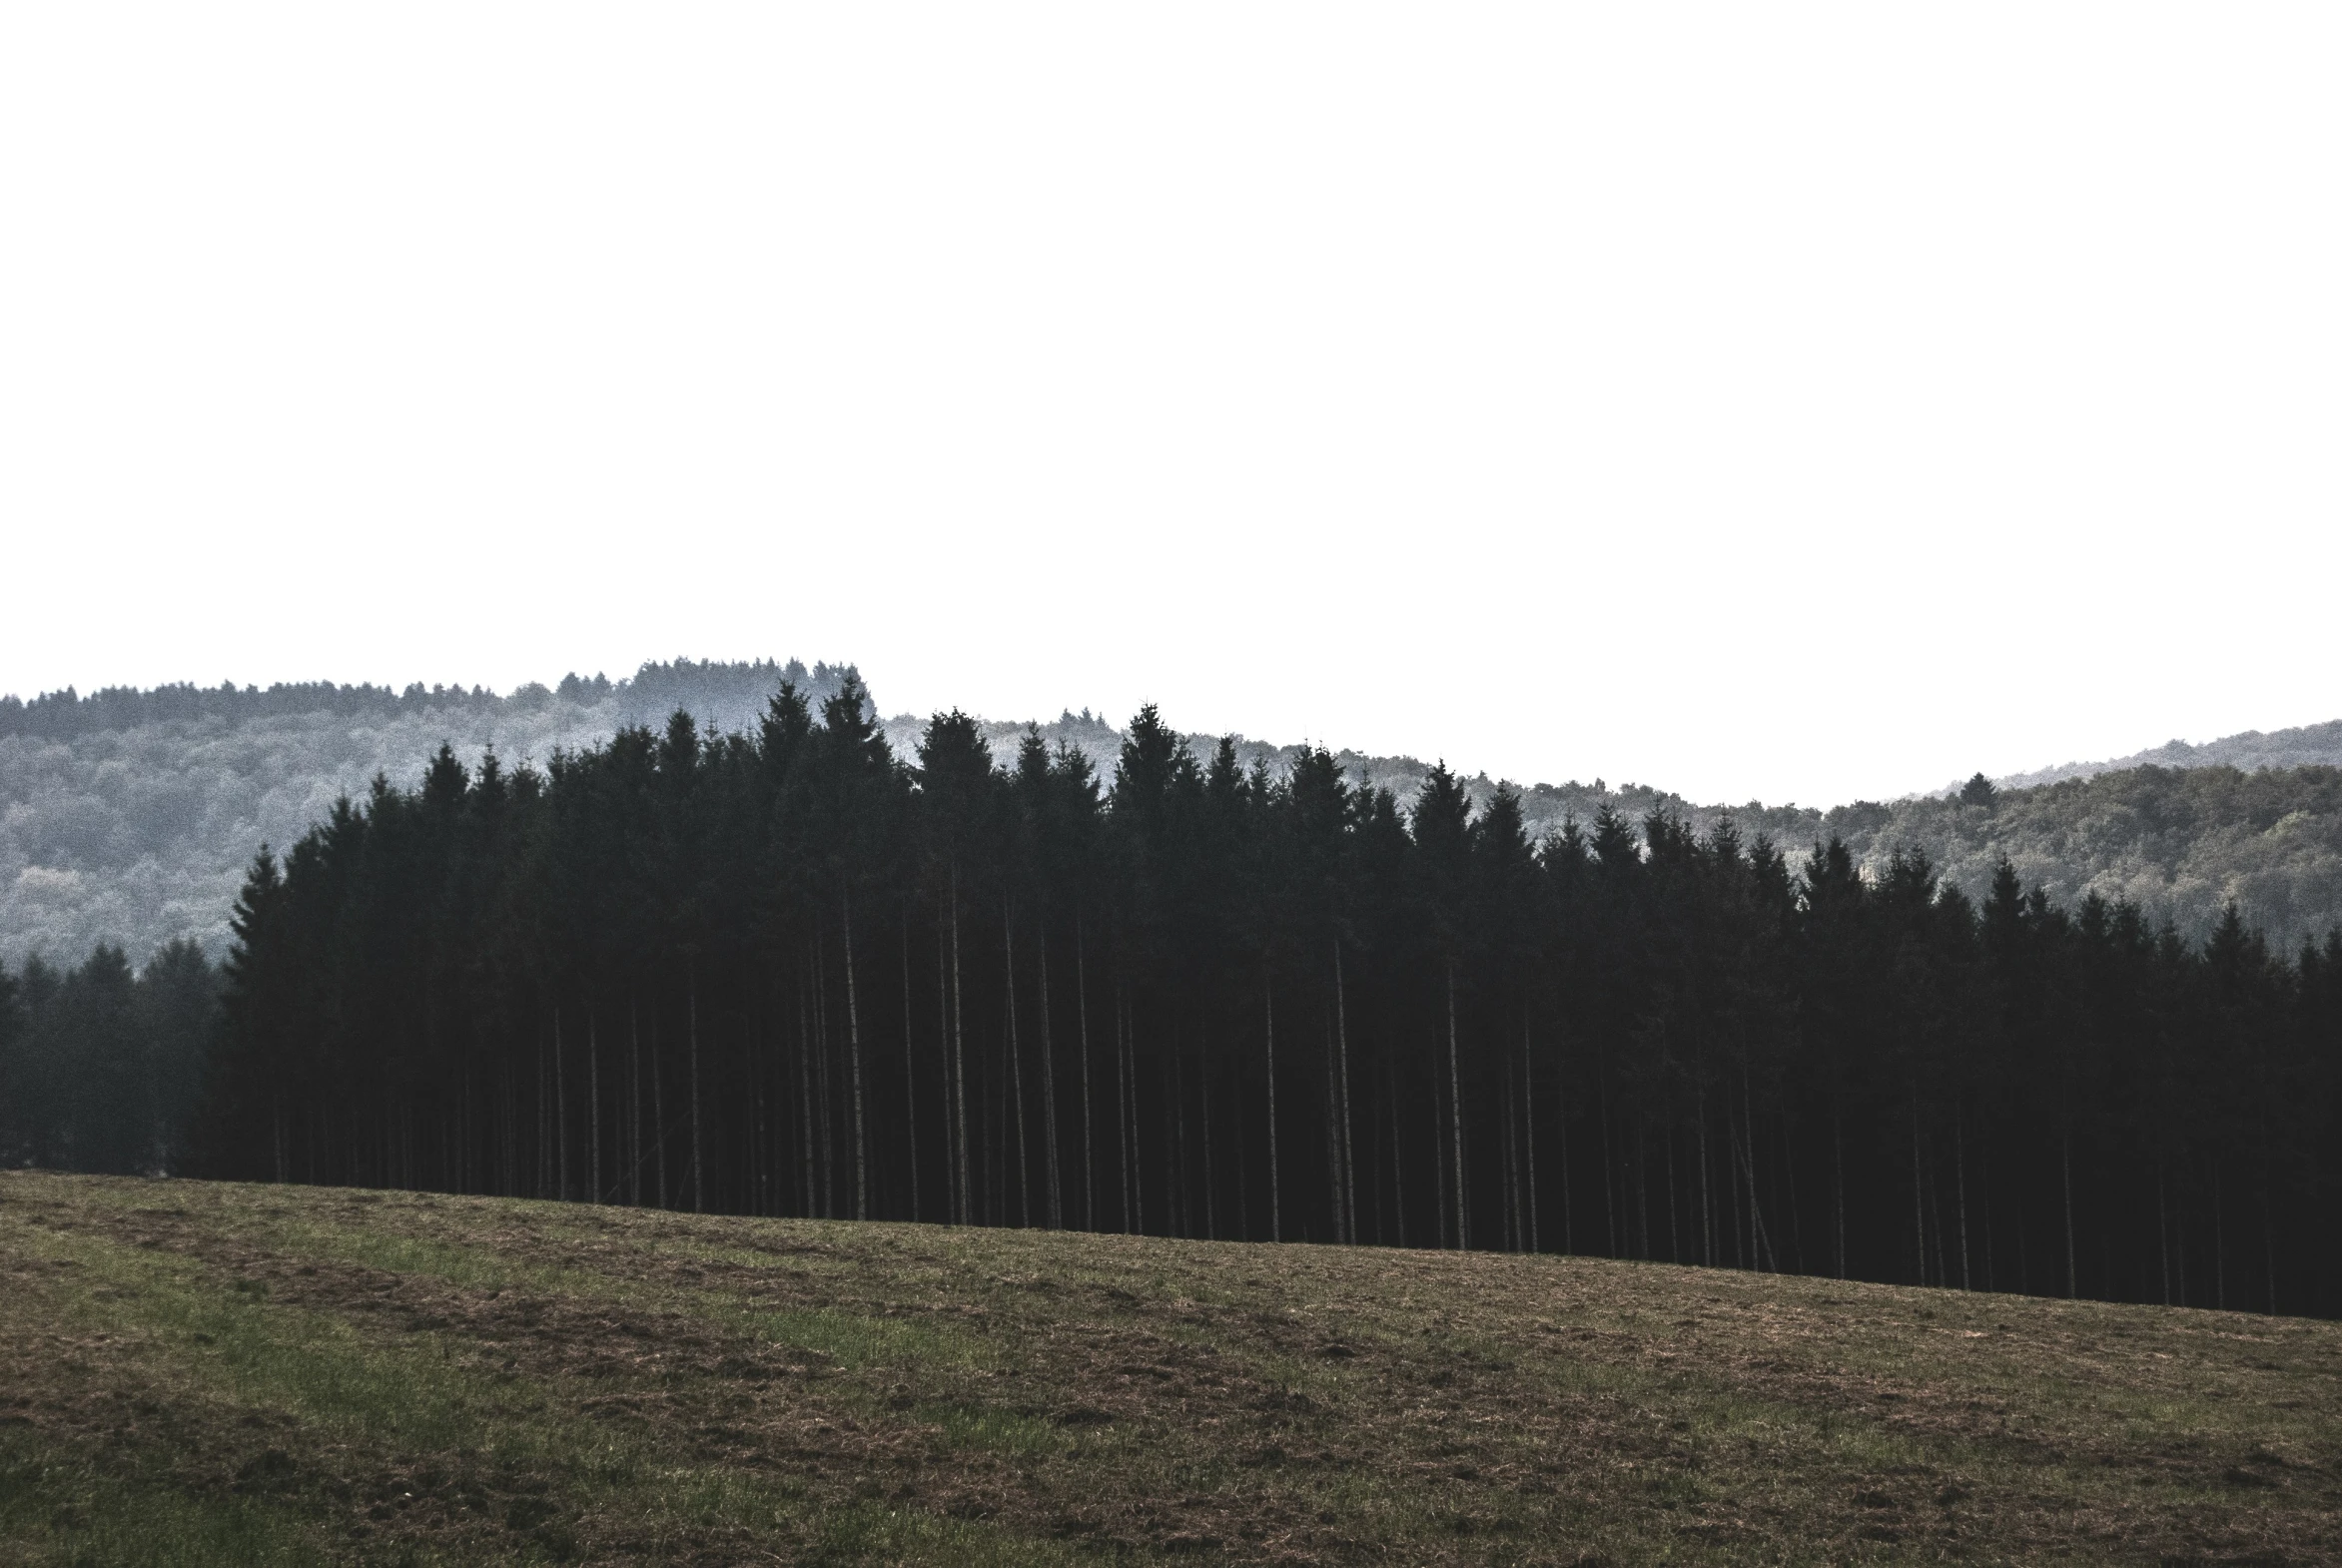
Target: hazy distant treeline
[[136, 833], [718, 693], [793, 971]]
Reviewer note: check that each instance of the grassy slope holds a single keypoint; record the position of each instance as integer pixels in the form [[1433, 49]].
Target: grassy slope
[[238, 1374]]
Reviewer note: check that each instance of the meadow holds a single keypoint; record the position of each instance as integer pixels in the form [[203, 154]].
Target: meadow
[[201, 1373]]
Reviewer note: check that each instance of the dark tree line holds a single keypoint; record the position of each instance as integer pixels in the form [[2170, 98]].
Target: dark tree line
[[101, 1066], [789, 972]]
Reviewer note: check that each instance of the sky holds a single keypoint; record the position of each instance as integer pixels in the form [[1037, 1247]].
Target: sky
[[1796, 402]]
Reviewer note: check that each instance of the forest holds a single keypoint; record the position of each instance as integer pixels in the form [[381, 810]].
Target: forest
[[787, 970], [101, 1066], [127, 817]]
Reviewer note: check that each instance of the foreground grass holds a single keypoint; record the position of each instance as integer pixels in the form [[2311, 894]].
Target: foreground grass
[[200, 1374]]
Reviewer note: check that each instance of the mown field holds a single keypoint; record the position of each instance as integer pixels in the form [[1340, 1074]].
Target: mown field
[[194, 1373]]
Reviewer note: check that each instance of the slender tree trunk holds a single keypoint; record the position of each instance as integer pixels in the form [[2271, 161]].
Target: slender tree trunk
[[1122, 1103], [824, 1093], [1919, 1203], [2065, 1159], [593, 1098], [1455, 1110], [1048, 1094], [1529, 1130], [1442, 1213], [1341, 1031], [658, 1104], [562, 1103], [1609, 1186], [1332, 1109], [1089, 1140], [2163, 1230], [634, 1099], [1398, 1162], [1959, 1181], [1138, 1146], [910, 1072], [1569, 1234], [943, 1049], [1706, 1212], [959, 1053], [1838, 1158], [854, 1054], [698, 1166], [1017, 1067], [1797, 1228], [2268, 1237], [2219, 1243], [1275, 1188], [1674, 1232], [1203, 1106], [812, 1201], [1183, 1197]]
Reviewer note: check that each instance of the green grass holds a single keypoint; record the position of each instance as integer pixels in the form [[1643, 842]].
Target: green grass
[[198, 1375]]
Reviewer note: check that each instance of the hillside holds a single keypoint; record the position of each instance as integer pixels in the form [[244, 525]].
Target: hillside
[[211, 1373], [130, 817], [2310, 745]]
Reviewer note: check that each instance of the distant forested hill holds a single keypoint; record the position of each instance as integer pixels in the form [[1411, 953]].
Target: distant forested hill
[[129, 817], [2310, 745]]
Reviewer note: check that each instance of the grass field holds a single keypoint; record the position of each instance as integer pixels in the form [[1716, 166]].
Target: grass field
[[194, 1373]]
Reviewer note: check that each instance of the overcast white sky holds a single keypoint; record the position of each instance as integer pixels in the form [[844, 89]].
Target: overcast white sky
[[1760, 400]]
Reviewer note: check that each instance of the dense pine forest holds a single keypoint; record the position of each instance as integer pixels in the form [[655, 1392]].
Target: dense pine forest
[[102, 1065], [788, 971]]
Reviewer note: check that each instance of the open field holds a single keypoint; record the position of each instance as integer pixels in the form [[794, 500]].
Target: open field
[[245, 1375]]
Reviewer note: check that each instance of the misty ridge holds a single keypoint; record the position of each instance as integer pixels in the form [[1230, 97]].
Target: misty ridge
[[129, 817]]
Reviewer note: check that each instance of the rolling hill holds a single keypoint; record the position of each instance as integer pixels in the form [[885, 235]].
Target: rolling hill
[[129, 817]]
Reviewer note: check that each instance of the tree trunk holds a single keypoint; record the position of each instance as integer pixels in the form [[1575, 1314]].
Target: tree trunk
[[698, 1157], [2163, 1230], [2065, 1161], [562, 1103], [1275, 1188], [910, 1072], [1569, 1230], [812, 1200], [1048, 1094], [1088, 1143], [1399, 1164], [1707, 1211], [1122, 1105], [1455, 1108], [1960, 1185], [1341, 1031], [1017, 1068], [1203, 1106], [593, 1099], [959, 1057], [1919, 1202], [1138, 1154], [635, 1101], [854, 1062], [1529, 1131], [1838, 1170]]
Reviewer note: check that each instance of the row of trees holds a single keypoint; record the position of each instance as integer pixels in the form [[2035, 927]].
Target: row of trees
[[788, 972], [101, 1066]]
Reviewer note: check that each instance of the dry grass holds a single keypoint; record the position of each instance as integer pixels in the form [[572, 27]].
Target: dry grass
[[237, 1374]]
